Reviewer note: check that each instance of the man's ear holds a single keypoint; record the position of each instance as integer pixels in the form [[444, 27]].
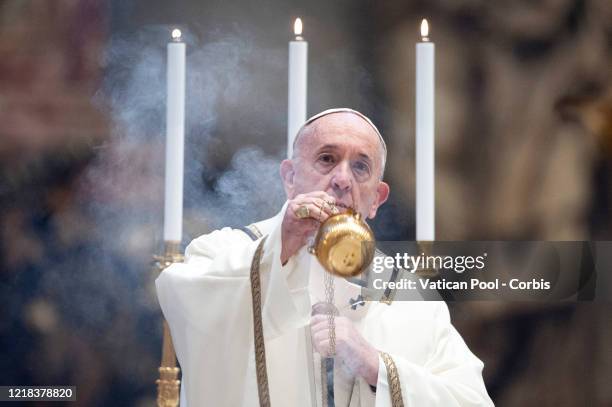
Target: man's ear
[[382, 193], [287, 173]]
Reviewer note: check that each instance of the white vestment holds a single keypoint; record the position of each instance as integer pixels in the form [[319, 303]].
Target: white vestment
[[207, 303]]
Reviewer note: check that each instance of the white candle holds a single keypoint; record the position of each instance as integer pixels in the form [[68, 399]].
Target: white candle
[[425, 143], [175, 138], [298, 74]]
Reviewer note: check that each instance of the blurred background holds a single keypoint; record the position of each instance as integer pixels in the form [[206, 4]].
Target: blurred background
[[524, 152]]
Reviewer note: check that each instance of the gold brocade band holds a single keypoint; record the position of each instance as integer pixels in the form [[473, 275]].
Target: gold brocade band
[[395, 388], [260, 348]]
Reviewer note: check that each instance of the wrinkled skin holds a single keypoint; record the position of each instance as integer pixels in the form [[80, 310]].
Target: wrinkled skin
[[337, 164]]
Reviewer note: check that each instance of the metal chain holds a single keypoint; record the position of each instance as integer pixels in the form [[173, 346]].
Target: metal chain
[[327, 382], [329, 298]]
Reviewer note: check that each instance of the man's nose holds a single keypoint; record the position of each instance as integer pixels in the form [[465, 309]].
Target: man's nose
[[342, 178]]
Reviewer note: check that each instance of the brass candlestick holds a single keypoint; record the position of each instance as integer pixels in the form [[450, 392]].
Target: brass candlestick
[[168, 383]]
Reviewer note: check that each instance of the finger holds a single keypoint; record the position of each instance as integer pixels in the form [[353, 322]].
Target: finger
[[320, 336], [322, 205], [316, 212], [315, 319], [321, 326], [324, 209], [322, 347], [329, 207], [319, 321], [319, 213], [331, 200], [325, 348], [318, 329], [297, 207], [320, 198]]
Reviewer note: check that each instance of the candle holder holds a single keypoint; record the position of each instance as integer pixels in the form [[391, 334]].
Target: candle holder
[[172, 254], [168, 387], [168, 384], [426, 248]]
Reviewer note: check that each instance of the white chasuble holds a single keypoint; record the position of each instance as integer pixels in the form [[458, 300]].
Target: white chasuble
[[207, 303]]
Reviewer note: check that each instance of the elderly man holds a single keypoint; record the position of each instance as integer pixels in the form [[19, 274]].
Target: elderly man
[[240, 307]]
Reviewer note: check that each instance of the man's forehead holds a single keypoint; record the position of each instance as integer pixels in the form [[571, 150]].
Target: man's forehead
[[335, 119], [344, 121], [345, 126], [340, 128]]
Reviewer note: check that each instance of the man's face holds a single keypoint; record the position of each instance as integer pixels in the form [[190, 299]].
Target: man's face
[[340, 154]]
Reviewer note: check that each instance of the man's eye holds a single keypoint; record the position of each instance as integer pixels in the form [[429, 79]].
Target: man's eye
[[361, 167], [326, 158]]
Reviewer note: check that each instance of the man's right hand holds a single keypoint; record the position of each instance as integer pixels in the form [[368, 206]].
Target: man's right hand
[[295, 231]]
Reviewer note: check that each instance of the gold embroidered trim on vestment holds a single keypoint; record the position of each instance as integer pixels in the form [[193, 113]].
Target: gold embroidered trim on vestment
[[260, 348], [395, 389]]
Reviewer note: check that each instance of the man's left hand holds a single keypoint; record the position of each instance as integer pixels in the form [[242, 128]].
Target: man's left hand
[[352, 349]]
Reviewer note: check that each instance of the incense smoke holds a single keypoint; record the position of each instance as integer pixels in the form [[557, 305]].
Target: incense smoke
[[129, 170], [231, 178]]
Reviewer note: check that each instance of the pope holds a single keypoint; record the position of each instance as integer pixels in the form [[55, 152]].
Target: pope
[[385, 353]]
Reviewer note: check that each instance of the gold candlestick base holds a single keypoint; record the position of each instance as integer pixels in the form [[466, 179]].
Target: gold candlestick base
[[168, 387], [168, 384], [426, 248], [172, 254]]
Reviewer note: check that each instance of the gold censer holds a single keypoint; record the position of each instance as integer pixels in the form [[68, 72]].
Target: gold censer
[[344, 244]]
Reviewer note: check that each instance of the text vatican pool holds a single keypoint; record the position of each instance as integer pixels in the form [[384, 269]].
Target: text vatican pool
[[472, 284]]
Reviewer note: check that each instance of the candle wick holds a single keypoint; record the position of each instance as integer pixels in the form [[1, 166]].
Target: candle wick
[[298, 38], [425, 39]]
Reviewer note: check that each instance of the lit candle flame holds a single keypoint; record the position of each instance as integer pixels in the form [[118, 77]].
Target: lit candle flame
[[424, 28], [297, 26], [176, 34]]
